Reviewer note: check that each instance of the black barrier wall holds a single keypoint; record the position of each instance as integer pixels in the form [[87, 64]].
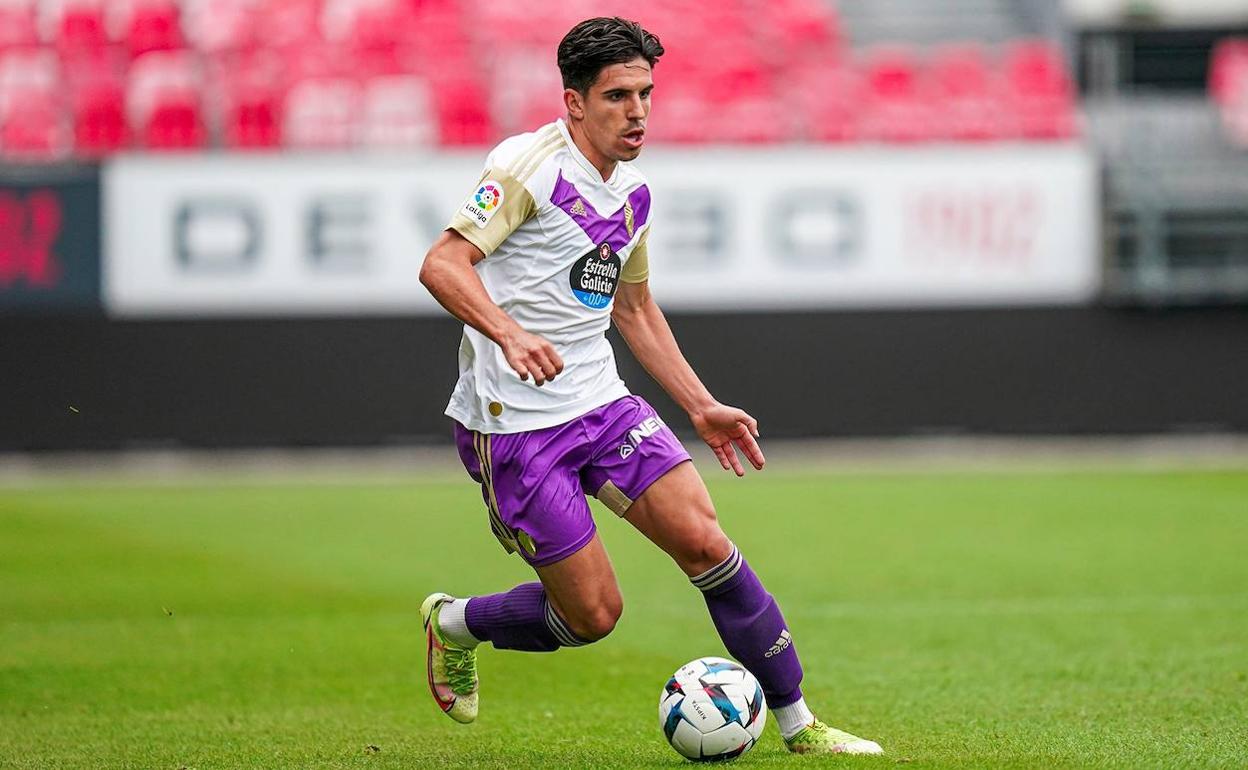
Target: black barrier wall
[[68, 383], [49, 239]]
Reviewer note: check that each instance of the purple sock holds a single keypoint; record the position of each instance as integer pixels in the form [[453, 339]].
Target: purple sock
[[749, 621], [520, 619]]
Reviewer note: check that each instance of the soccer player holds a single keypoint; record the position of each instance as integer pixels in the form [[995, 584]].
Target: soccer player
[[546, 252]]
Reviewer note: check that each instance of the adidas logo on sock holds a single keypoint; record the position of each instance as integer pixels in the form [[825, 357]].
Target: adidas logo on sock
[[782, 644]]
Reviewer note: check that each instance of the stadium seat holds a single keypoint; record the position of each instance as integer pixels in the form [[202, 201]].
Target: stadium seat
[[163, 104], [100, 119], [398, 113], [82, 31], [801, 30], [681, 116], [966, 94], [154, 25], [33, 126], [829, 101], [176, 122], [1039, 89], [750, 121], [18, 25], [29, 69], [247, 93], [462, 109], [322, 113], [223, 27], [253, 120], [895, 107], [1228, 65], [1228, 86], [381, 41]]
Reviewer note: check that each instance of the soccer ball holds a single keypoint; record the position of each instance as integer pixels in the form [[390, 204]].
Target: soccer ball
[[712, 709]]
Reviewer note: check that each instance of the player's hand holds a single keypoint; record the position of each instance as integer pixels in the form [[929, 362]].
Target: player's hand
[[531, 356], [725, 429]]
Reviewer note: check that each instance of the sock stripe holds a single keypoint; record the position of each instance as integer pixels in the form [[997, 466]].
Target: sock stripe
[[720, 573], [560, 629]]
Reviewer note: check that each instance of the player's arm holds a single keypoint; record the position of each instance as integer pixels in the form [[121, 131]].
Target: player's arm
[[449, 276], [645, 329]]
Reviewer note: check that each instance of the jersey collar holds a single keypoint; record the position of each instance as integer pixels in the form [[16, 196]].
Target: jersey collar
[[580, 158]]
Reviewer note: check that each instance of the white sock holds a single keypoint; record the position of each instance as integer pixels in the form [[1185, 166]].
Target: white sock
[[454, 625], [793, 717]]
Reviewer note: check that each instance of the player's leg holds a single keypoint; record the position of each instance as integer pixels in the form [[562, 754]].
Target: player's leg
[[577, 602], [676, 514], [642, 472], [536, 508]]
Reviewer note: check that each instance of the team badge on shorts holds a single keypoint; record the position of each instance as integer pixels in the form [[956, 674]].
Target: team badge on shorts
[[595, 276]]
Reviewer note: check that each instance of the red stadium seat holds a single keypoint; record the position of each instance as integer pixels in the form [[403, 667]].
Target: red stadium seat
[[802, 29], [100, 119], [154, 25], [462, 109], [829, 99], [398, 113], [1039, 90], [18, 27], [176, 122], [382, 41], [253, 120], [223, 27], [1228, 86], [82, 31], [33, 126], [751, 121], [284, 23], [966, 94], [895, 107], [163, 101], [250, 91], [29, 69], [322, 113], [681, 115], [1228, 65]]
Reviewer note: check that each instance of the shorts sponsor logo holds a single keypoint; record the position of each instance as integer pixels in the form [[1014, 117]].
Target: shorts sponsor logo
[[782, 644], [643, 431], [484, 203]]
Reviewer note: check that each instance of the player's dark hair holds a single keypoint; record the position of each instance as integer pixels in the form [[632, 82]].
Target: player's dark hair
[[597, 43]]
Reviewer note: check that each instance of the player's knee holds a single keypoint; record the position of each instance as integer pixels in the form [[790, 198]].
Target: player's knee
[[711, 551], [702, 547], [599, 621]]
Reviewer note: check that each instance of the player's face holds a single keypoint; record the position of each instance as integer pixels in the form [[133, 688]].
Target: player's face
[[616, 108]]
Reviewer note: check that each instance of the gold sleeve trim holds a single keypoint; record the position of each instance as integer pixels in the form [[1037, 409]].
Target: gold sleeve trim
[[516, 208], [637, 268], [547, 141]]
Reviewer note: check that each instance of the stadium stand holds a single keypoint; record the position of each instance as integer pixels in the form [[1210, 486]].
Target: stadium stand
[[162, 75]]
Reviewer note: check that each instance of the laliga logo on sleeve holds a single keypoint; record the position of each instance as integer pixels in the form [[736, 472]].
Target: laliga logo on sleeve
[[484, 203]]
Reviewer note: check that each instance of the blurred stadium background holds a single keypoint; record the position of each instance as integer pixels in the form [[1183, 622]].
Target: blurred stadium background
[[984, 261], [878, 218]]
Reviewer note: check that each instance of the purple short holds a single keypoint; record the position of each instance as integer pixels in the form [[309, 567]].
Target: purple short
[[535, 482]]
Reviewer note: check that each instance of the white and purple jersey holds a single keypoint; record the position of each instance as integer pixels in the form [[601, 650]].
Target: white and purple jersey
[[558, 241]]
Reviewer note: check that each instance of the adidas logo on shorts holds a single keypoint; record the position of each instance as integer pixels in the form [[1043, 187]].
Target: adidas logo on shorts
[[782, 644]]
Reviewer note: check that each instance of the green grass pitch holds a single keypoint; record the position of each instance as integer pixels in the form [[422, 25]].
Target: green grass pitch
[[960, 619]]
